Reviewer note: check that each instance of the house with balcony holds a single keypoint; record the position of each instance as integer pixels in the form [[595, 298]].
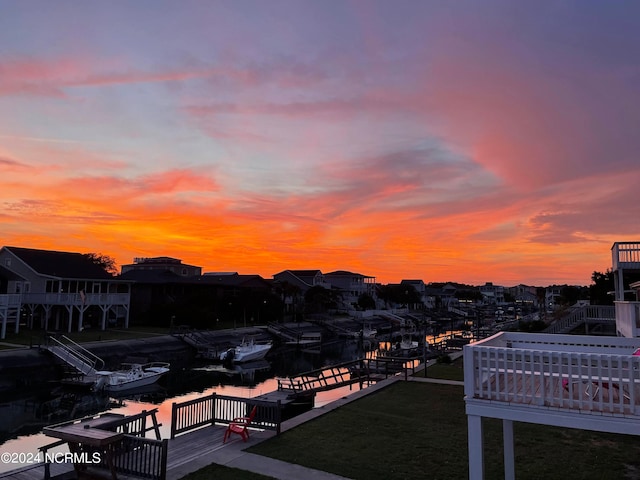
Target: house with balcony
[[574, 381], [61, 290], [351, 285], [626, 266], [293, 284], [492, 294], [524, 294]]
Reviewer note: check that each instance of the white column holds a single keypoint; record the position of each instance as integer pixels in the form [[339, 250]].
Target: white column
[[476, 454], [509, 459], [81, 318], [620, 287], [3, 333], [70, 312]]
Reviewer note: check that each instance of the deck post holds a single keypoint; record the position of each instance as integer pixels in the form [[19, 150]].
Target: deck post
[[476, 447], [174, 419], [509, 459], [213, 409]]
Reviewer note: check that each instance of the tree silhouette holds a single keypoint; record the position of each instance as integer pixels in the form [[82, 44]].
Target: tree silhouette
[[107, 263]]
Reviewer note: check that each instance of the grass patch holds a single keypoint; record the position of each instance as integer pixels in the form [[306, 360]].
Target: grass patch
[[35, 337], [220, 472], [412, 430], [445, 371]]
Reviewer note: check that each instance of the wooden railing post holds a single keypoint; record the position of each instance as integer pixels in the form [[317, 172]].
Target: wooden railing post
[[213, 408], [278, 417], [163, 459], [174, 410]]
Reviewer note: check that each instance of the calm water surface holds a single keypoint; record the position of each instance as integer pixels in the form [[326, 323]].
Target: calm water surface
[[187, 383]]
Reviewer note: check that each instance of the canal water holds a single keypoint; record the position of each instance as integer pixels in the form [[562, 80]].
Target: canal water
[[22, 418], [24, 415]]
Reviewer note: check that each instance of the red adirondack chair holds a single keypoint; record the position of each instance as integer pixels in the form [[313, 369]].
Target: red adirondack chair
[[240, 426]]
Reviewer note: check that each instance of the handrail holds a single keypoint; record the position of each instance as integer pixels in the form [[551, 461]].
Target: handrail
[[214, 408], [79, 352]]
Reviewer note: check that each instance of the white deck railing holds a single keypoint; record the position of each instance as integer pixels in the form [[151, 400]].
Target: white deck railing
[[76, 298], [584, 374], [10, 300], [625, 255]]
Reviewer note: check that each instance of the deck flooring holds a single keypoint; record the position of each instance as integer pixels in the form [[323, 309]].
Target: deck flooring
[[182, 450]]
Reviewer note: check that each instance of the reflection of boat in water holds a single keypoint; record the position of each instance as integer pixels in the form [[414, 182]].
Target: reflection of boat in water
[[247, 351], [246, 371], [153, 393], [70, 405], [133, 375]]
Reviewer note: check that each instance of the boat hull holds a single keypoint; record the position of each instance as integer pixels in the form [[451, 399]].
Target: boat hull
[[134, 377], [246, 353]]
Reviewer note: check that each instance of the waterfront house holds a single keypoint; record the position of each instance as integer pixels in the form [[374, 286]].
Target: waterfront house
[[161, 297], [427, 300], [41, 286], [303, 279], [351, 285], [573, 381]]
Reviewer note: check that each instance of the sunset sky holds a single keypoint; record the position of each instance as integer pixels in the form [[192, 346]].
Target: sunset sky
[[466, 141]]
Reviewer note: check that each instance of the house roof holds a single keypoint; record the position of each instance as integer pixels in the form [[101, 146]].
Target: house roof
[[167, 276], [60, 264], [8, 274], [301, 273], [155, 276]]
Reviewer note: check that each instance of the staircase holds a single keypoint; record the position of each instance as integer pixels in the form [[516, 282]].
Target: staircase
[[79, 358], [590, 314]]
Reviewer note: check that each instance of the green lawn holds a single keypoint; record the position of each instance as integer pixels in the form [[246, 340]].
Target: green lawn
[[34, 337], [448, 371], [219, 472], [415, 431]]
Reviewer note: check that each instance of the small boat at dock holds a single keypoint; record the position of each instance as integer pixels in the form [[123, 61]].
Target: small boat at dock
[[247, 351], [130, 376]]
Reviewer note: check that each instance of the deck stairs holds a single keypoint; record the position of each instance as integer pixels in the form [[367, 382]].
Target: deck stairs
[[74, 355], [588, 314]]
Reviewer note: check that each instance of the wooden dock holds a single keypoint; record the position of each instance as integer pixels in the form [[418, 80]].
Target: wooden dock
[[181, 451]]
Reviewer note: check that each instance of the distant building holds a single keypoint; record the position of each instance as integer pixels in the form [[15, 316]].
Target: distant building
[[161, 296], [351, 285], [169, 264], [492, 294], [427, 298], [524, 294], [551, 296], [303, 279]]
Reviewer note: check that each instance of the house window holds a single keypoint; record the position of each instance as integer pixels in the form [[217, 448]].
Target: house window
[[7, 262], [184, 271], [27, 287]]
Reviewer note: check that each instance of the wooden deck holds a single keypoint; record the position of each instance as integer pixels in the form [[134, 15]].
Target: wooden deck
[[183, 450]]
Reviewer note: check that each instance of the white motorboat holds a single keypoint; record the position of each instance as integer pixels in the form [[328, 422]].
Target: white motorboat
[[132, 375], [366, 332], [247, 351]]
